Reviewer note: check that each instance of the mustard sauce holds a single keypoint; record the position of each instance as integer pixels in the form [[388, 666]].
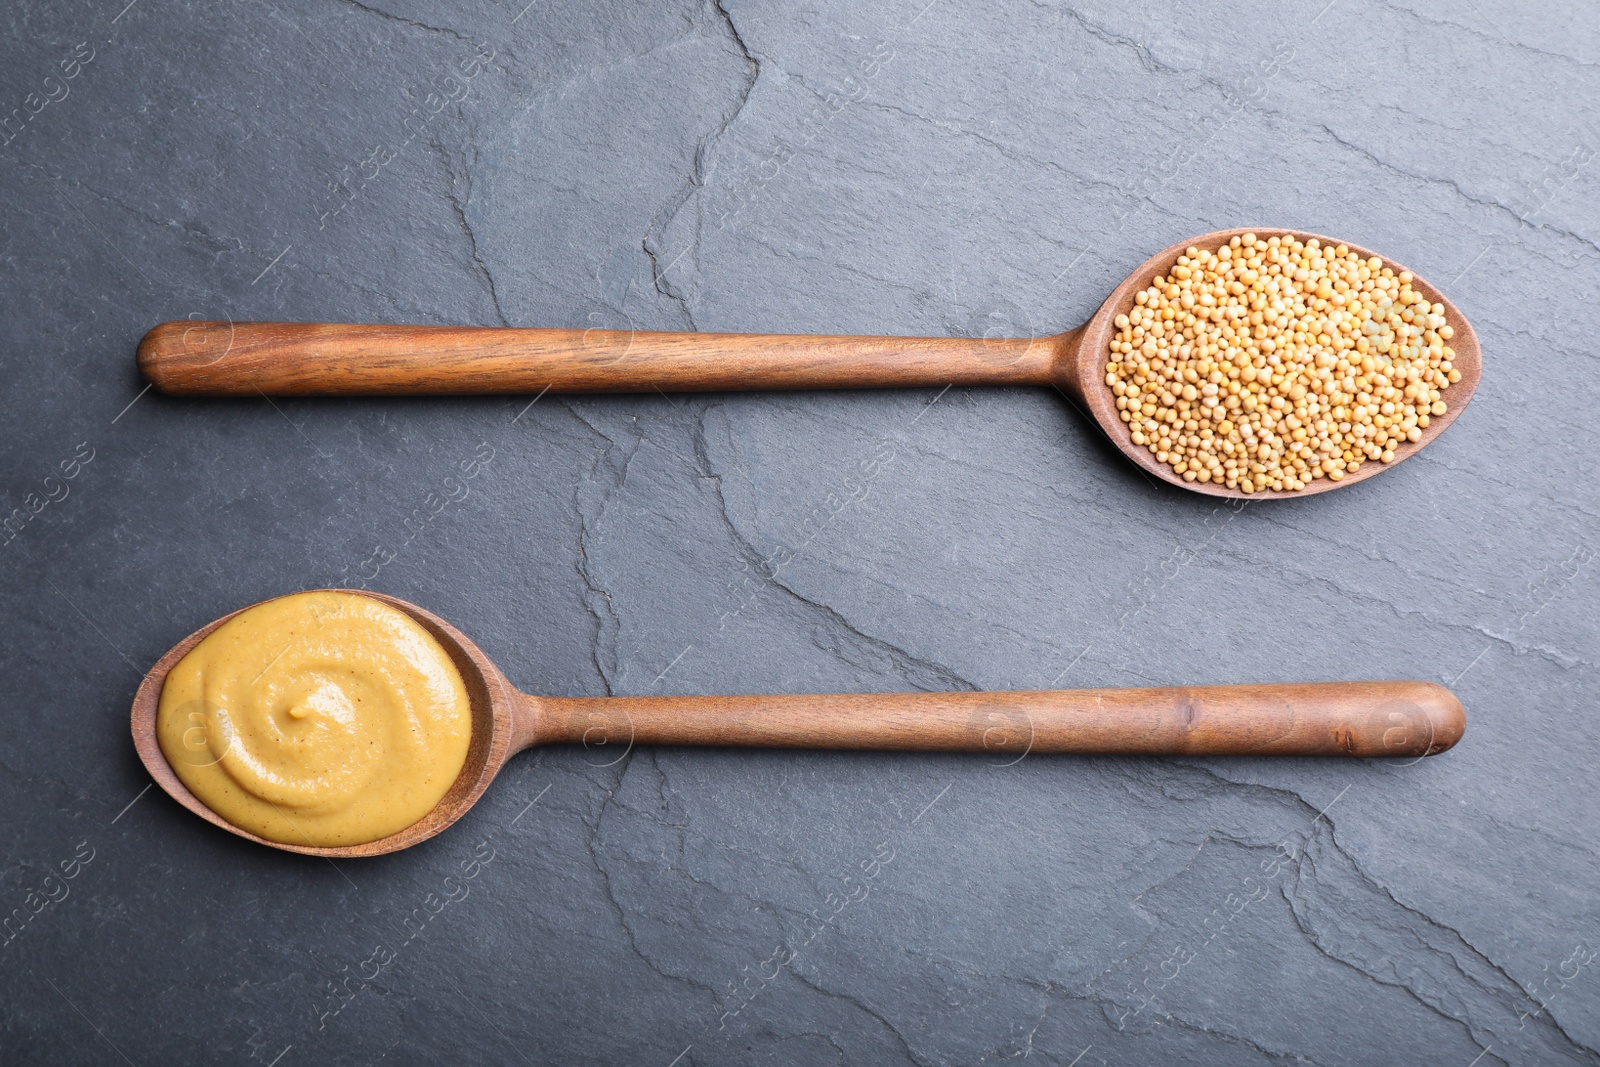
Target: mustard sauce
[[317, 719]]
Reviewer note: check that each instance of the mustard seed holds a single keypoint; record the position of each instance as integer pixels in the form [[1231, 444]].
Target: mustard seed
[[1267, 364]]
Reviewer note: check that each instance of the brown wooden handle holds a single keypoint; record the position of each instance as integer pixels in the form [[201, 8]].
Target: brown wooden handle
[[306, 359], [1318, 719]]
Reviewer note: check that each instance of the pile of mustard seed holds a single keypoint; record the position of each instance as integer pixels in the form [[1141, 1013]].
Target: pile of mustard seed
[[1266, 364]]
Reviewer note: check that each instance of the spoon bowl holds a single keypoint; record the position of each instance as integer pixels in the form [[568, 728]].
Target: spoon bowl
[[310, 359], [494, 720], [1086, 356], [1390, 719]]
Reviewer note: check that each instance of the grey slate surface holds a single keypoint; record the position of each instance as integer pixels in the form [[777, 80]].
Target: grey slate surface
[[824, 167]]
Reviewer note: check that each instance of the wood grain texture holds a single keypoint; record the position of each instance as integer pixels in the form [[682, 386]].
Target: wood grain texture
[[1397, 719], [1318, 719], [306, 359], [187, 358]]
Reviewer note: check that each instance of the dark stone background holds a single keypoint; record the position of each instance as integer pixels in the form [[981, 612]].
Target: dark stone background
[[814, 167]]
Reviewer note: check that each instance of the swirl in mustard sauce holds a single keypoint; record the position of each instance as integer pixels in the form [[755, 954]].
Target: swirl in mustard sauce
[[317, 719]]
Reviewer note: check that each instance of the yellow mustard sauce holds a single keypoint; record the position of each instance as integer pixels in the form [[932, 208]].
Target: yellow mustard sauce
[[317, 719]]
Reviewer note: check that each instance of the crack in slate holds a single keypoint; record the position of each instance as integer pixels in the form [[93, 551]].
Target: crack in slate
[[596, 599], [459, 205], [445, 30], [752, 64], [696, 178], [1146, 58], [1455, 186], [591, 842], [1554, 656], [1119, 188], [1343, 942], [906, 663], [857, 1003], [1497, 42], [1396, 919]]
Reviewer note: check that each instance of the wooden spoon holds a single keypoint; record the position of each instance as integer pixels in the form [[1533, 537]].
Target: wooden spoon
[[306, 359], [1319, 719]]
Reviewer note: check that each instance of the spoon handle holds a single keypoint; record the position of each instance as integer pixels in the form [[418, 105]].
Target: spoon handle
[[1315, 719], [307, 359]]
